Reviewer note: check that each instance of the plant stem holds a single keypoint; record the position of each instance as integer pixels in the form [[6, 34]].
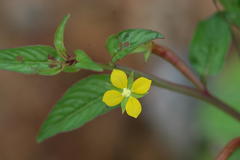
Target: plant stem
[[229, 149], [172, 58], [193, 92], [216, 5]]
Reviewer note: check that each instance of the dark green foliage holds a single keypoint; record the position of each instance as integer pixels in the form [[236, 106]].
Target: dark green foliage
[[59, 37], [38, 59], [81, 103], [210, 45], [82, 61], [128, 41], [230, 4]]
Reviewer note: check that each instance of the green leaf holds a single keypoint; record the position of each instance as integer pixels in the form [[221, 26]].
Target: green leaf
[[139, 95], [112, 44], [230, 4], [210, 44], [127, 41], [81, 103], [123, 104], [146, 49], [130, 80], [37, 59], [71, 69], [85, 62], [233, 16], [59, 37]]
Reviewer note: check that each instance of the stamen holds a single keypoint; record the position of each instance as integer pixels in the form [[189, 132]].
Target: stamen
[[126, 92]]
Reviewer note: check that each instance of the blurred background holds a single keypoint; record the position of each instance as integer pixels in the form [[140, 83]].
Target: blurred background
[[171, 127]]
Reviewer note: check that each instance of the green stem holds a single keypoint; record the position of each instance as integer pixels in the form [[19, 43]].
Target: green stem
[[196, 93]]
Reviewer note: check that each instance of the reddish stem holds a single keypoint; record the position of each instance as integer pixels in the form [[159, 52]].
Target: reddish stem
[[229, 149], [172, 58]]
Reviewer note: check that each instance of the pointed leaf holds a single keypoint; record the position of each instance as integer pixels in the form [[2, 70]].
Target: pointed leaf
[[59, 37], [37, 59], [127, 41], [71, 69], [210, 44], [81, 103], [85, 62], [123, 104]]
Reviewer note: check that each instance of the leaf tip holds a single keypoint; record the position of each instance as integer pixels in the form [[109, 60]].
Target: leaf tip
[[67, 16], [39, 139]]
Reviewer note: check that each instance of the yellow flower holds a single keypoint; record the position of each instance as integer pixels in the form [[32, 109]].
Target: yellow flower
[[126, 93]]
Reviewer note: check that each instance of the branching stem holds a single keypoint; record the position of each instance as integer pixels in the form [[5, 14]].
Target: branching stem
[[200, 92], [172, 58]]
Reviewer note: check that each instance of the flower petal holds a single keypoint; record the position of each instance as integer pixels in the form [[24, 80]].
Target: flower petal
[[133, 107], [141, 85], [119, 79], [112, 98]]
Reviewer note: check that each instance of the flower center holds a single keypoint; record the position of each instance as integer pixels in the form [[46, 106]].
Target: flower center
[[126, 92]]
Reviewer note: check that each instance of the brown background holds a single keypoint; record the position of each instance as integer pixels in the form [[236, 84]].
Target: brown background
[[25, 100]]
